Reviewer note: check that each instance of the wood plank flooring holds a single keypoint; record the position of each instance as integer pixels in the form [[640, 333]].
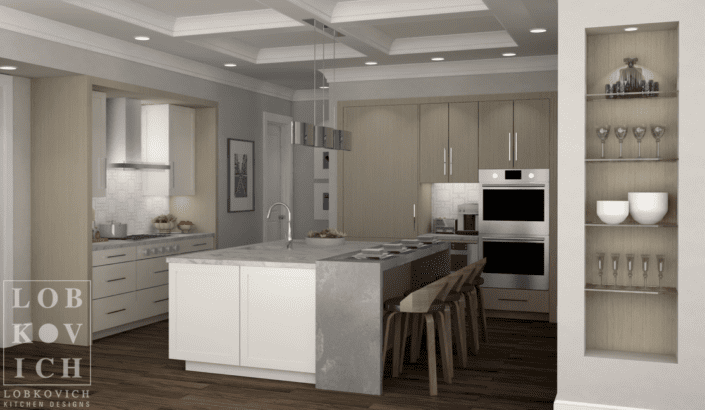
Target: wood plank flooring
[[515, 370]]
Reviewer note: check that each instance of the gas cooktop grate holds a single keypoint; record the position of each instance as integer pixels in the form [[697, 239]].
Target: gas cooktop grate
[[145, 236]]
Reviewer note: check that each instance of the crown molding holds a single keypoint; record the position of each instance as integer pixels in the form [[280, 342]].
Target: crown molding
[[304, 53], [367, 10], [129, 12], [444, 69], [232, 22], [371, 36], [452, 42], [40, 27], [229, 47]]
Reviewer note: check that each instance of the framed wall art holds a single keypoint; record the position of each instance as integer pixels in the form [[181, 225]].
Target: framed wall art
[[241, 175]]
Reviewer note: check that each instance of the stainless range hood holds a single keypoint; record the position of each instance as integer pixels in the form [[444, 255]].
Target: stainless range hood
[[124, 135]]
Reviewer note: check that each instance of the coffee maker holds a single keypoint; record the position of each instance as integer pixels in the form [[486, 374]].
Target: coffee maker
[[467, 218]]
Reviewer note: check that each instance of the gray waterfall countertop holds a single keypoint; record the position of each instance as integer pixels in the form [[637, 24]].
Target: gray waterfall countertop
[[271, 254]]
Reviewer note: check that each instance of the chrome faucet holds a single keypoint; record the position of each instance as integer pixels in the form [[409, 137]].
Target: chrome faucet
[[269, 213]]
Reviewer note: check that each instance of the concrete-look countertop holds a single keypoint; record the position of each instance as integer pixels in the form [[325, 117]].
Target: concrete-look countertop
[[123, 243], [271, 254], [449, 236]]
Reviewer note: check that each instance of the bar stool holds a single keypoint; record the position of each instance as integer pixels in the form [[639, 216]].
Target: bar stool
[[481, 306], [470, 293], [426, 302]]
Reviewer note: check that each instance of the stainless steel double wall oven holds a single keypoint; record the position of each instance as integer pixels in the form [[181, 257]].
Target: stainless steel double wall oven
[[514, 227]]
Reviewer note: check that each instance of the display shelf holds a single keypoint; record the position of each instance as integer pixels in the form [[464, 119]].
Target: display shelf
[[633, 96], [631, 289], [631, 224], [631, 159], [642, 357]]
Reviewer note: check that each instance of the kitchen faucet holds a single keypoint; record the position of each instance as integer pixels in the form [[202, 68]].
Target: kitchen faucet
[[269, 213]]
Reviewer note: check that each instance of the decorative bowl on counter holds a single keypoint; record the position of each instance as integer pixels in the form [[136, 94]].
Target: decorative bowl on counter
[[325, 241], [648, 208], [612, 212], [164, 227], [185, 226]]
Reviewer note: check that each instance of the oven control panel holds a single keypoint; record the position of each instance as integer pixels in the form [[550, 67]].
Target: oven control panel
[[513, 176]]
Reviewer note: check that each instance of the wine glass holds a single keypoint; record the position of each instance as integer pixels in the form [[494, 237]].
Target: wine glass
[[630, 266], [657, 131], [600, 264], [603, 132], [615, 265], [621, 133], [645, 266], [639, 132]]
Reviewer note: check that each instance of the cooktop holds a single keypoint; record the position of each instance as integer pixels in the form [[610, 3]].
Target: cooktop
[[144, 236]]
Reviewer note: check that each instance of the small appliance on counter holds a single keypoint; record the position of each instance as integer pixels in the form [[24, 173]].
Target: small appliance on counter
[[467, 218], [445, 225], [113, 230]]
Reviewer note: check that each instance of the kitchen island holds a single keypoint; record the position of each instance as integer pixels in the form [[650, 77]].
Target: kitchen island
[[310, 314]]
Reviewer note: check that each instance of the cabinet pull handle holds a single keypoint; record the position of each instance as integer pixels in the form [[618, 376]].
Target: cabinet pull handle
[[514, 300], [414, 216], [173, 172], [451, 160], [115, 311], [160, 300], [200, 244], [117, 256], [444, 161], [516, 144], [509, 144], [115, 280], [162, 271], [104, 173]]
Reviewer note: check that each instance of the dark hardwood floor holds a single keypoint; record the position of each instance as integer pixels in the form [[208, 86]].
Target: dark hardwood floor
[[515, 370]]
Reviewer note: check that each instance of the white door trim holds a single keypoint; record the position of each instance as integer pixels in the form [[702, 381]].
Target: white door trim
[[287, 165], [6, 201]]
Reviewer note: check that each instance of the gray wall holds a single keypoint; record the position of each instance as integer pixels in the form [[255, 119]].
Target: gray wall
[[239, 115]]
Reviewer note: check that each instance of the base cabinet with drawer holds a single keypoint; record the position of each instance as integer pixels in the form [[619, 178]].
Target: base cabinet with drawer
[[131, 284], [515, 300]]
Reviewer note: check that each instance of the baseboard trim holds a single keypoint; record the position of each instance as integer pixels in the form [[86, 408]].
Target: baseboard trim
[[572, 405], [129, 326], [257, 373]]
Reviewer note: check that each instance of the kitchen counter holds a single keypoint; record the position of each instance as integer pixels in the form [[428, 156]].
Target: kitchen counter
[[447, 236], [122, 243]]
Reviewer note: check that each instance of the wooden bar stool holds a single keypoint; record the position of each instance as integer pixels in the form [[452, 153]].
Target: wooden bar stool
[[425, 303], [481, 306], [472, 301]]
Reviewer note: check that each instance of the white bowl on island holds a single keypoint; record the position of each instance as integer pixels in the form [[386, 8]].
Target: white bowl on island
[[612, 212], [648, 208], [325, 241]]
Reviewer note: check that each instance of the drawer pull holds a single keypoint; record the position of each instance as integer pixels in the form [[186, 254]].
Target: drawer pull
[[115, 280], [160, 300], [115, 311], [515, 300], [200, 244], [162, 271], [117, 256]]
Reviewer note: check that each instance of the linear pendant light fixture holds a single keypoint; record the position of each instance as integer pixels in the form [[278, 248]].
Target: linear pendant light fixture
[[315, 135]]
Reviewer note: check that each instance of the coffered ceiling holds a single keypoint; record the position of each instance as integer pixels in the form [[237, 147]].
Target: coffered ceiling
[[269, 41]]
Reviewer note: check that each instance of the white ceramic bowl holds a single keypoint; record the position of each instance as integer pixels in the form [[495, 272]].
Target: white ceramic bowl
[[648, 208], [325, 241], [612, 212]]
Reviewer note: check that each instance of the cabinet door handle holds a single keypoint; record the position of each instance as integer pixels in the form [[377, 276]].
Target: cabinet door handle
[[115, 280], [200, 244], [161, 300], [104, 173], [514, 300], [509, 144], [162, 271], [444, 161], [414, 215], [117, 256], [116, 311], [516, 144], [451, 160]]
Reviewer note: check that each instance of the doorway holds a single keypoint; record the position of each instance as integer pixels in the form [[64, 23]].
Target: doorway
[[278, 174]]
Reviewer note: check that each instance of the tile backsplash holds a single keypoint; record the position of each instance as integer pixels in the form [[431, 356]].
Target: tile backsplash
[[125, 203], [446, 198]]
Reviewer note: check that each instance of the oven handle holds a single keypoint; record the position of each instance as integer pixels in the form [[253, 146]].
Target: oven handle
[[523, 186], [502, 239]]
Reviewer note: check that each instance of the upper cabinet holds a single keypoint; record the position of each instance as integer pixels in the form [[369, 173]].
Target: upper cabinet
[[448, 142], [99, 157], [514, 134], [168, 136]]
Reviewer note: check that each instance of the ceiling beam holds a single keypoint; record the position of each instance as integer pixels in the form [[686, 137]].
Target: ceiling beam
[[370, 10]]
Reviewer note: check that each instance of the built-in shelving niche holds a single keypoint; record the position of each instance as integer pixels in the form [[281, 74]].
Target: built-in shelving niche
[[625, 319]]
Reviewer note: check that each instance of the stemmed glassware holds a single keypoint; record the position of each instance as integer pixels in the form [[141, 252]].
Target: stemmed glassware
[[621, 133], [602, 133], [615, 262], [639, 132], [600, 264], [661, 259], [630, 266], [657, 131], [645, 266]]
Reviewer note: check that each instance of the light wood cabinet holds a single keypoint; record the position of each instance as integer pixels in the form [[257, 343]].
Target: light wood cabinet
[[448, 142], [514, 134], [173, 127], [380, 175], [99, 157]]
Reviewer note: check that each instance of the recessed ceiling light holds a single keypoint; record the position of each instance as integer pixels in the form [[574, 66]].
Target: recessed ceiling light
[[142, 38], [324, 87], [8, 67], [437, 59], [230, 65], [509, 54], [631, 29], [371, 63], [538, 30]]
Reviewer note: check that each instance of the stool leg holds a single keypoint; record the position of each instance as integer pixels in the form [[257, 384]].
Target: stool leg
[[449, 340], [481, 308], [389, 320], [461, 334], [431, 348], [397, 345], [443, 340], [475, 343], [404, 333], [416, 333]]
